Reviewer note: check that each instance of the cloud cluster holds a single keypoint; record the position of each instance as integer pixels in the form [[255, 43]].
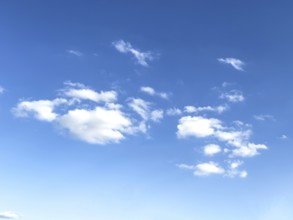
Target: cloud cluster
[[91, 116], [236, 63], [9, 215], [142, 58], [98, 117]]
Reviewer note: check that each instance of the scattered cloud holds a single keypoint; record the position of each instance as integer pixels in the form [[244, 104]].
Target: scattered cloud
[[173, 112], [211, 149], [218, 109], [141, 57], [233, 169], [233, 96], [151, 91], [236, 63], [42, 109], [238, 137], [9, 215], [284, 137], [75, 53], [204, 169], [264, 117]]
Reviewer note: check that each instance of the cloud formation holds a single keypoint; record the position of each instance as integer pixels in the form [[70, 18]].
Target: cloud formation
[[91, 116], [9, 215], [1, 90], [75, 53], [142, 58], [211, 149], [236, 63], [151, 91], [233, 96]]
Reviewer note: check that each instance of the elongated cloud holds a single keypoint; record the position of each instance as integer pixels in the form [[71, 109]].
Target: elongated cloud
[[9, 215], [236, 63], [152, 92], [141, 57], [75, 53], [204, 169]]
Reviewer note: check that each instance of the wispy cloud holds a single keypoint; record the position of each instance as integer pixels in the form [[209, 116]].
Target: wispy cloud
[[152, 92], [236, 63], [141, 57], [173, 112], [1, 90], [233, 96], [75, 53], [9, 215], [264, 117]]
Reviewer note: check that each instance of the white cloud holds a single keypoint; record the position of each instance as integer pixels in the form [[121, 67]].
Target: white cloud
[[157, 115], [248, 150], [204, 169], [151, 91], [264, 117], [218, 109], [233, 169], [42, 109], [233, 96], [148, 90], [173, 112], [97, 126], [75, 53], [211, 149], [9, 215], [141, 57], [235, 137], [236, 63], [140, 106], [284, 137], [88, 94], [197, 126]]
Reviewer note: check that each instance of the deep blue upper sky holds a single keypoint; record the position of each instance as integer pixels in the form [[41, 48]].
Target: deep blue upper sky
[[146, 110]]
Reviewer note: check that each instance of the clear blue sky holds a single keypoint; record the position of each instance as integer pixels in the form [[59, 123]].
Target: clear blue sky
[[146, 110]]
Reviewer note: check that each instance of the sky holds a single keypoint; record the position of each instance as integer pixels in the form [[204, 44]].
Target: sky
[[146, 110]]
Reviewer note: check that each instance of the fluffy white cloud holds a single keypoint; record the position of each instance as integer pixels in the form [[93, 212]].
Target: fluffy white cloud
[[197, 126], [211, 149], [151, 91], [248, 150], [233, 96], [236, 63], [42, 109], [204, 169], [75, 53], [235, 137], [89, 94], [218, 109], [9, 215], [141, 107], [97, 126], [141, 57]]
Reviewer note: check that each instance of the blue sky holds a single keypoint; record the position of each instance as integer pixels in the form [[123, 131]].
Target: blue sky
[[146, 110]]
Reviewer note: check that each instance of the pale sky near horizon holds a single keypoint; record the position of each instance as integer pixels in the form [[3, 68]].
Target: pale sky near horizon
[[146, 110]]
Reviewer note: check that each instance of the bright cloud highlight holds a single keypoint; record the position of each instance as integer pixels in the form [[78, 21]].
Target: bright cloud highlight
[[236, 63]]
